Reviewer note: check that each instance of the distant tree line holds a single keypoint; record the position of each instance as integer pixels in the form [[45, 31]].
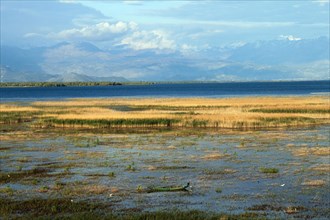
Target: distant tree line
[[57, 84]]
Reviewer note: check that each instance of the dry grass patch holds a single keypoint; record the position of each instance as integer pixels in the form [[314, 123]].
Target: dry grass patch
[[305, 151], [114, 189], [321, 151], [16, 108], [95, 189], [314, 183], [321, 168], [82, 190], [214, 156], [171, 147], [152, 168], [89, 154]]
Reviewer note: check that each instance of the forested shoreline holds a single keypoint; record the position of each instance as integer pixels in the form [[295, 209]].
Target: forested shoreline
[[57, 84]]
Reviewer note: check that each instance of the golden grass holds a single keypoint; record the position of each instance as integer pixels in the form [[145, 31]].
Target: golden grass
[[14, 108], [91, 189], [314, 183], [171, 147], [246, 101], [214, 156], [306, 151], [322, 168], [95, 189], [241, 113]]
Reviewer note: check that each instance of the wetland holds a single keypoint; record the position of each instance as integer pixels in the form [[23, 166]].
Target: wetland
[[244, 158]]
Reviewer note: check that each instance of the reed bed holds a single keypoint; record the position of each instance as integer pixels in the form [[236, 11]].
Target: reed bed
[[11, 114], [234, 113]]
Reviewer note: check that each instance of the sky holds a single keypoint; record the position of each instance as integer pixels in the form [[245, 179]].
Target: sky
[[161, 25], [222, 40]]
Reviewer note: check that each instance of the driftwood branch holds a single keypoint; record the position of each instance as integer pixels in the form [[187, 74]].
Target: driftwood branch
[[168, 188]]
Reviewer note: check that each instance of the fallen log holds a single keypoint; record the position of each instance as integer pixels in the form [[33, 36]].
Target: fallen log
[[168, 188]]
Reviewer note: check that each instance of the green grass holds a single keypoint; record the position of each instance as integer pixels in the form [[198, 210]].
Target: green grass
[[103, 123], [218, 190], [15, 117], [14, 176], [69, 209], [111, 174], [268, 170], [43, 207], [302, 111], [7, 190], [131, 168]]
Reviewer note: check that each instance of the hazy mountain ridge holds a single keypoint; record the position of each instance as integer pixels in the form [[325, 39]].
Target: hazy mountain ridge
[[267, 60], [283, 51]]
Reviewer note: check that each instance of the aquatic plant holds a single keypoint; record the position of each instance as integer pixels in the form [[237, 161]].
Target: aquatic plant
[[14, 176], [218, 190], [7, 190], [268, 170], [131, 167], [111, 174], [43, 189]]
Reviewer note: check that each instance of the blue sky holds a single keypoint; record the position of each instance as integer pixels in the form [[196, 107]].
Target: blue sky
[[163, 25]]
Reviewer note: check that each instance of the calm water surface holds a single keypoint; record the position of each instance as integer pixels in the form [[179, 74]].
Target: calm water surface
[[168, 90]]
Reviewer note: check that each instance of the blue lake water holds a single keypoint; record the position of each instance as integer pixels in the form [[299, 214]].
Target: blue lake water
[[168, 90]]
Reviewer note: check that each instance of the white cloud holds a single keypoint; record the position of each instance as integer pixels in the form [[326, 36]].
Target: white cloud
[[290, 38], [322, 2], [99, 31], [68, 1], [205, 33], [27, 35], [156, 39], [132, 2]]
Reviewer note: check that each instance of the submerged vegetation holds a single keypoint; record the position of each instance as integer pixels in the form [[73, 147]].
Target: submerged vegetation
[[268, 170], [87, 174], [233, 113]]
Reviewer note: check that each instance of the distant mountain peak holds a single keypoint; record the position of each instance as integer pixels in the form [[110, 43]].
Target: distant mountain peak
[[87, 47], [83, 61]]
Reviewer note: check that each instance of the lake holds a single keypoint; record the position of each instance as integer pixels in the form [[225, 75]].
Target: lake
[[168, 90]]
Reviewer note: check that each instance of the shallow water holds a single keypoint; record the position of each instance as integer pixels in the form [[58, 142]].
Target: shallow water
[[223, 168]]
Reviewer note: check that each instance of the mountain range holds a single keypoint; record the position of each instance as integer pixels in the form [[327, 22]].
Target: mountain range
[[305, 59]]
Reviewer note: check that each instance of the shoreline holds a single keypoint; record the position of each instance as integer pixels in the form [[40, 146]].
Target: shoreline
[[27, 100], [134, 83]]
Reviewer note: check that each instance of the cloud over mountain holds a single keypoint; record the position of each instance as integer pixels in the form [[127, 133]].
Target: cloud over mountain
[[165, 40], [266, 60], [156, 39], [101, 31]]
